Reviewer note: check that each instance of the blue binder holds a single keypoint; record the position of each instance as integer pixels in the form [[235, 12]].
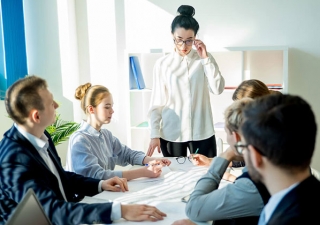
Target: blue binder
[[136, 78]]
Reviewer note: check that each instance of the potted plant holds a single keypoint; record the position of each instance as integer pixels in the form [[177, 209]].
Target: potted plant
[[61, 130]]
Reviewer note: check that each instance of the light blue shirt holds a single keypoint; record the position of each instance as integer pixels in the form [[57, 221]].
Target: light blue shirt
[[273, 203], [95, 153], [209, 202]]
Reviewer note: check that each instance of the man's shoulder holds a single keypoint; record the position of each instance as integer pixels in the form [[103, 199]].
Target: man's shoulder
[[309, 188], [297, 200], [10, 148], [296, 208], [10, 137]]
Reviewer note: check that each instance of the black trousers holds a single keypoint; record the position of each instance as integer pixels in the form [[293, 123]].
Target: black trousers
[[206, 147]]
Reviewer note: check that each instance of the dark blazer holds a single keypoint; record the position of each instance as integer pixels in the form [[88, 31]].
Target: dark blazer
[[21, 168], [300, 205]]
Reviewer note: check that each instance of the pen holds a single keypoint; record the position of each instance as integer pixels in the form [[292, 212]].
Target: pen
[[152, 164], [196, 151]]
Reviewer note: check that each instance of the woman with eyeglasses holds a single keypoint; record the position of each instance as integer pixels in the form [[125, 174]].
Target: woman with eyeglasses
[[180, 110]]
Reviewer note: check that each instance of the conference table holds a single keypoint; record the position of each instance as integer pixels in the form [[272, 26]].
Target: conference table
[[165, 192]]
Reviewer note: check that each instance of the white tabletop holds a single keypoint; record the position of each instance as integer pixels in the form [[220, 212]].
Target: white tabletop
[[164, 192]]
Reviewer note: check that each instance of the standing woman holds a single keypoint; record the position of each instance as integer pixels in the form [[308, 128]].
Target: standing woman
[[180, 111], [94, 152]]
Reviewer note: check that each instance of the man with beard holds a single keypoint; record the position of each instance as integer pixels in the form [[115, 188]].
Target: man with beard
[[278, 140], [240, 202]]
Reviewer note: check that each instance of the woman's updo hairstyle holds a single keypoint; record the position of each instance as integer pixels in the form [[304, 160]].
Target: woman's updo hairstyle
[[185, 19], [91, 95]]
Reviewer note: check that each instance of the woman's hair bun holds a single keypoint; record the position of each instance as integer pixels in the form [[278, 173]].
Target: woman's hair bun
[[186, 10], [81, 91]]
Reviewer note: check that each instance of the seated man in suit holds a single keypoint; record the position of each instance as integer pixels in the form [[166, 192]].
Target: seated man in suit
[[28, 159], [278, 141]]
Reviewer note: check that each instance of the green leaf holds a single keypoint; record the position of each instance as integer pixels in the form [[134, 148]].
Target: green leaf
[[61, 130]]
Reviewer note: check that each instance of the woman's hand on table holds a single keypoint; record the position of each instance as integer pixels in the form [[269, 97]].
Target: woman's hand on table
[[141, 213], [200, 160], [184, 222], [162, 161], [153, 168], [115, 184]]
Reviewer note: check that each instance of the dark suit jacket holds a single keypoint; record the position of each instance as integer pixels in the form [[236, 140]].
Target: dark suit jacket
[[300, 205], [21, 168]]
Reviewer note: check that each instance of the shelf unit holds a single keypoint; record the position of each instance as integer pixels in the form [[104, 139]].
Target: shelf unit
[[138, 138], [268, 64]]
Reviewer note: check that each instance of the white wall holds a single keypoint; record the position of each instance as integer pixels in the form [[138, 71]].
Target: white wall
[[142, 24], [5, 121], [244, 23], [44, 55]]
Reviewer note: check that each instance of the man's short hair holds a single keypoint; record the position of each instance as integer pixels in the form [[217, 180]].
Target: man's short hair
[[23, 96], [233, 114], [281, 127]]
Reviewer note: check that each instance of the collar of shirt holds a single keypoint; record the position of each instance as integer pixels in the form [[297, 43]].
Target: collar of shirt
[[87, 127], [188, 57], [274, 201], [245, 169], [38, 143]]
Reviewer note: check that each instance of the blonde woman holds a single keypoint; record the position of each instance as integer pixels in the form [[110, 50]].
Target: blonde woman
[[94, 152]]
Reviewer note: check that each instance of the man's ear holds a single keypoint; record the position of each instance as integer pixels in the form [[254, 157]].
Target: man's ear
[[236, 136], [34, 116], [256, 157]]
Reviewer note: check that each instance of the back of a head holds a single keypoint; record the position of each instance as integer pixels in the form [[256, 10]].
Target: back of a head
[[185, 19], [250, 88], [23, 96], [233, 114], [283, 128]]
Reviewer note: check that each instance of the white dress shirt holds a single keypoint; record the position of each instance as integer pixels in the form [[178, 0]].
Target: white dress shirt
[[180, 108]]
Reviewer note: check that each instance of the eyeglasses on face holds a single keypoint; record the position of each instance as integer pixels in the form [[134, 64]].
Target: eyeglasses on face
[[181, 42], [240, 147], [182, 159]]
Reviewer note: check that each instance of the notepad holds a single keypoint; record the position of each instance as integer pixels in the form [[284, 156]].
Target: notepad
[[165, 170]]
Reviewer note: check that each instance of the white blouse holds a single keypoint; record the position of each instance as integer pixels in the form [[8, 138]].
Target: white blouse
[[180, 107]]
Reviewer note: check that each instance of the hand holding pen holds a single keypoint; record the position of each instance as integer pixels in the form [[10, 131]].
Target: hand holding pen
[[199, 159], [162, 161], [153, 168]]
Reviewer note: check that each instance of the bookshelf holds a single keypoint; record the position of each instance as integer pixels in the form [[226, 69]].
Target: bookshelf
[[266, 63], [138, 134]]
